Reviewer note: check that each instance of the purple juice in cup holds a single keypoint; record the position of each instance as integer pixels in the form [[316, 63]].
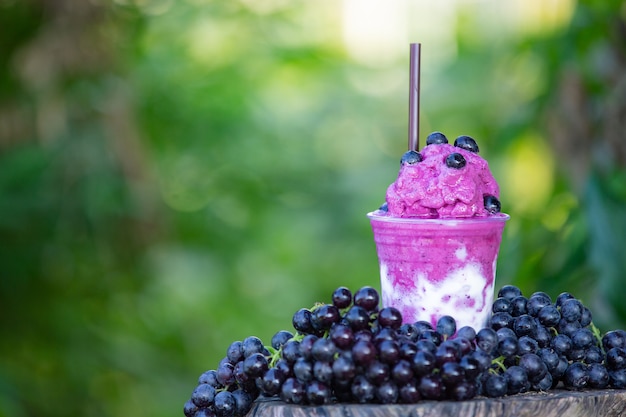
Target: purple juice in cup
[[439, 233]]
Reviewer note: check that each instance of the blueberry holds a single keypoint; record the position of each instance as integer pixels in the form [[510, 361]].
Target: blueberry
[[617, 378], [342, 297], [235, 352], [501, 304], [536, 302], [387, 393], [384, 207], [322, 371], [560, 368], [344, 369], [363, 391], [251, 345], [576, 376], [190, 409], [583, 338], [542, 336], [411, 158], [428, 345], [409, 393], [431, 387], [500, 320], [317, 393], [436, 138], [464, 390], [377, 372], [567, 327], [492, 204], [483, 358], [562, 297], [447, 351], [549, 316], [614, 338], [561, 344], [549, 357], [424, 362], [598, 376], [225, 373], [446, 326], [486, 339], [255, 365], [357, 318], [616, 358], [280, 338], [456, 161], [544, 383], [535, 368], [471, 366], [209, 377], [366, 297], [422, 325], [432, 336], [323, 349], [364, 353], [384, 333], [271, 382], [410, 331], [303, 370], [507, 347], [575, 354], [243, 401], [585, 318], [526, 344], [466, 332], [593, 354], [517, 380], [224, 404], [306, 345], [506, 332], [495, 386], [302, 321], [509, 292], [390, 317], [518, 306], [571, 310], [467, 143], [203, 395], [402, 372], [342, 336], [452, 373], [388, 351], [291, 351], [324, 316]]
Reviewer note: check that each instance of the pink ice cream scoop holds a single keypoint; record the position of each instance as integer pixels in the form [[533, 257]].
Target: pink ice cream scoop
[[443, 181]]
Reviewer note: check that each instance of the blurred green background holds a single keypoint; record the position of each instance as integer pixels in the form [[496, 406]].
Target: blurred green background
[[177, 175]]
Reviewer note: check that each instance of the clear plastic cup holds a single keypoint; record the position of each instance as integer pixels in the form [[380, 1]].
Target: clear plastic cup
[[435, 267]]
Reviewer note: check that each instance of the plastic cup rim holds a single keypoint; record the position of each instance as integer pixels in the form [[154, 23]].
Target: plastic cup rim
[[499, 217]]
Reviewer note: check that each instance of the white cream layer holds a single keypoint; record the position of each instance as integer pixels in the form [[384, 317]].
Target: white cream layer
[[462, 294]]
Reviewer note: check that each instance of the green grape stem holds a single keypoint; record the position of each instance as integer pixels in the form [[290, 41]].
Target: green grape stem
[[277, 354], [499, 362], [598, 335]]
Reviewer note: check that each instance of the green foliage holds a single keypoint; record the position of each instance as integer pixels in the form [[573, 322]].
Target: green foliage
[[206, 172]]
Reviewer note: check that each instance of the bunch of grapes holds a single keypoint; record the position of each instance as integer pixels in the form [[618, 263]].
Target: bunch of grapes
[[352, 351], [537, 344]]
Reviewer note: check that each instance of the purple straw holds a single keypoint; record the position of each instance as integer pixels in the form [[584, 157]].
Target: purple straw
[[414, 97]]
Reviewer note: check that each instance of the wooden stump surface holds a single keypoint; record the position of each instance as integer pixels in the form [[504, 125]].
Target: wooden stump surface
[[555, 403]]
